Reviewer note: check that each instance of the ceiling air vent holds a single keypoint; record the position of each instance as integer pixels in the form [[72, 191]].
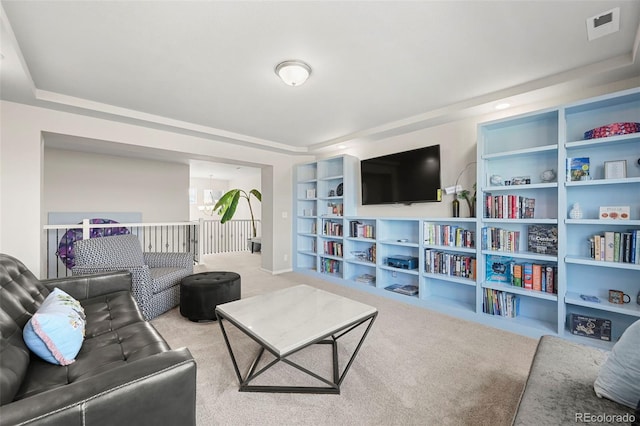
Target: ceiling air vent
[[603, 24]]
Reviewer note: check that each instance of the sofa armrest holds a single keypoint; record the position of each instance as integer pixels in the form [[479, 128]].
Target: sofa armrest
[[140, 278], [160, 389], [169, 260], [559, 388], [85, 286]]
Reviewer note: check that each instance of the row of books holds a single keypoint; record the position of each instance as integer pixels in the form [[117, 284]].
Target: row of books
[[332, 228], [330, 266], [333, 248], [499, 239], [532, 276], [448, 235], [361, 230], [541, 239], [457, 265], [536, 276], [508, 207], [496, 302], [616, 246]]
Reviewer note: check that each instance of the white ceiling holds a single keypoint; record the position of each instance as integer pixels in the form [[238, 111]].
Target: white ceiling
[[379, 67]]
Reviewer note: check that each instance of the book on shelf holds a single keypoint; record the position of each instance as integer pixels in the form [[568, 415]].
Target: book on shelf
[[499, 269], [366, 278], [516, 275], [608, 246], [406, 289], [542, 239], [551, 279], [527, 276], [529, 208], [577, 168], [536, 277]]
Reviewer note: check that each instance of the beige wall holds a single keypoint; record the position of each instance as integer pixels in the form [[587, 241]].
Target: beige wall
[[85, 182]]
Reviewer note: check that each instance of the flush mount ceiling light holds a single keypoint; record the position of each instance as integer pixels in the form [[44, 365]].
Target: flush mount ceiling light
[[293, 73]]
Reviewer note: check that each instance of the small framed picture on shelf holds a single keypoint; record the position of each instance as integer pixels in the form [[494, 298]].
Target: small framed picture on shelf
[[520, 180], [615, 169]]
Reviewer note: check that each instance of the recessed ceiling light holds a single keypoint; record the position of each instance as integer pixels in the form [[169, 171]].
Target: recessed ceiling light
[[294, 73], [503, 105], [342, 146]]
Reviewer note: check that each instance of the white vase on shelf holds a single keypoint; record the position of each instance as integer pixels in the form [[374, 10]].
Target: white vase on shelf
[[576, 211]]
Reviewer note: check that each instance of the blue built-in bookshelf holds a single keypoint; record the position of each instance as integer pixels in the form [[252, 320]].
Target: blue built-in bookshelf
[[522, 148], [514, 196]]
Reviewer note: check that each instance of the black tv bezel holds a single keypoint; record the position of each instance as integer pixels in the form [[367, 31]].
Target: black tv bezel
[[436, 198]]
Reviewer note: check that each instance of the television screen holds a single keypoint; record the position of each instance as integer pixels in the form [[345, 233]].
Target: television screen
[[404, 177]]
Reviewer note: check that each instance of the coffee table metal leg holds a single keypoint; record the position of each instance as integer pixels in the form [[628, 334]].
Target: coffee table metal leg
[[333, 386]]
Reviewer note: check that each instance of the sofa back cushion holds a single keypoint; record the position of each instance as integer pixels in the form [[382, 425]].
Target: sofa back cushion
[[117, 250], [21, 294]]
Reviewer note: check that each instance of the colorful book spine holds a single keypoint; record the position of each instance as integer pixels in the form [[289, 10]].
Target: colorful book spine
[[536, 277], [527, 276]]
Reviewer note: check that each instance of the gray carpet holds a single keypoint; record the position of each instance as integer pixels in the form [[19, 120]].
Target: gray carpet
[[417, 367]]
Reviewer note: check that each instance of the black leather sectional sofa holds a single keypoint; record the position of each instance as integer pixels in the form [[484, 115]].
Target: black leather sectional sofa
[[124, 374]]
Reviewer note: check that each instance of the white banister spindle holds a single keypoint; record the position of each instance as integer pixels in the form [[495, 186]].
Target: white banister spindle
[[86, 229], [201, 240]]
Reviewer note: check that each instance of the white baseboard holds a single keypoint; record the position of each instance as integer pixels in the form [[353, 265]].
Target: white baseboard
[[281, 271]]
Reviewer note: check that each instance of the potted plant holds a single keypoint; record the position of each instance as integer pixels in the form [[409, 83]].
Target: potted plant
[[471, 199], [227, 204]]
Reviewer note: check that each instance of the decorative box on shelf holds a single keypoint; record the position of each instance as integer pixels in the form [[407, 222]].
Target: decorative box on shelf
[[615, 212], [595, 328]]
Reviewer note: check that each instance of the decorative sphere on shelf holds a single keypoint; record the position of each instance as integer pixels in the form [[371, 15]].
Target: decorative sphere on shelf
[[548, 175], [576, 211], [495, 180]]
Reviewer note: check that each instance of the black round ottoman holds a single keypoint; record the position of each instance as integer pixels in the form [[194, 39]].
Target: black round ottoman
[[201, 293]]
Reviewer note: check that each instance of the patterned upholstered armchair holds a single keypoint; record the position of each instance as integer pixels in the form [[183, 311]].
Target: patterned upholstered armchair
[[155, 276]]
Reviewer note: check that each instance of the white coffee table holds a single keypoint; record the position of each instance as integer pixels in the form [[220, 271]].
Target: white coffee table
[[285, 321]]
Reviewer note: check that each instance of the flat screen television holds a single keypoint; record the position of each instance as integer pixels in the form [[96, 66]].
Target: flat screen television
[[404, 177]]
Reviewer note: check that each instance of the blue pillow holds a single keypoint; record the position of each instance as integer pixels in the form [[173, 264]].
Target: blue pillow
[[56, 331]]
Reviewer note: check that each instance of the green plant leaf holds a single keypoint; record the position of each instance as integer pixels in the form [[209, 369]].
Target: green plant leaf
[[256, 194], [231, 208], [223, 203]]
